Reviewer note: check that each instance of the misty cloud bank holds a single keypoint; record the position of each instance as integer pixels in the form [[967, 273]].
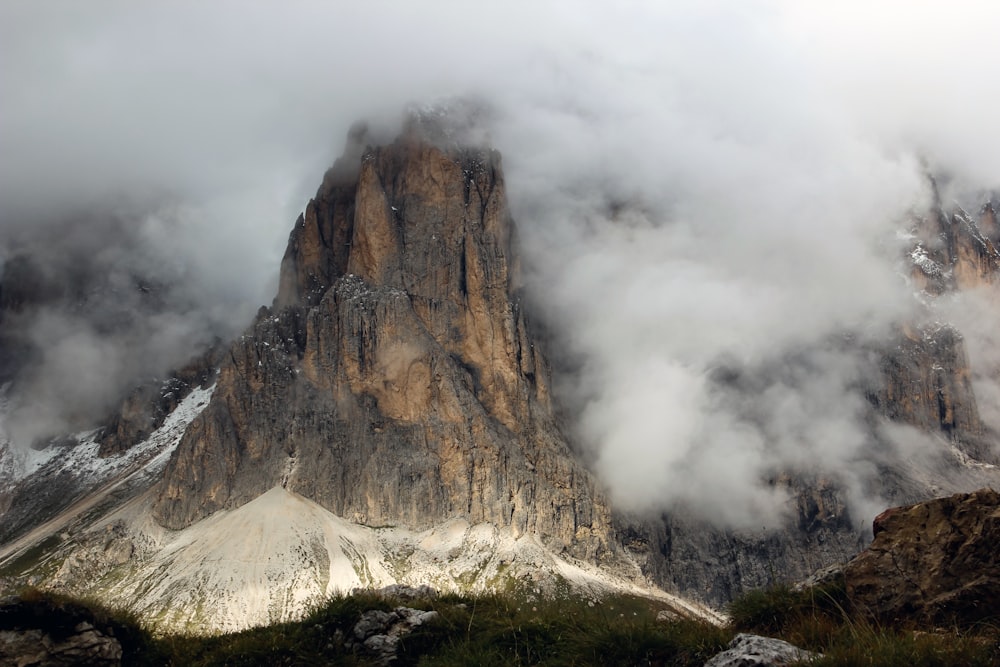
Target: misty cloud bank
[[707, 193]]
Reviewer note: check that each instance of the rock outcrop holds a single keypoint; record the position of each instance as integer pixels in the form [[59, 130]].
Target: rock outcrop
[[379, 632], [395, 380], [925, 381], [933, 562], [45, 633]]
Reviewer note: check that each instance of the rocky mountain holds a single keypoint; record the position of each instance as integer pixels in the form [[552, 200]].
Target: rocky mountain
[[395, 379], [391, 419]]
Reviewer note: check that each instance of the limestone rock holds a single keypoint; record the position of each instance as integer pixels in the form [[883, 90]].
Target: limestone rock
[[934, 562], [395, 380], [379, 631], [42, 634], [925, 381], [748, 650]]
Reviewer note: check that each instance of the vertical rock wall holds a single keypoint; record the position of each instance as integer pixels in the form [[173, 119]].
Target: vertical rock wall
[[394, 381]]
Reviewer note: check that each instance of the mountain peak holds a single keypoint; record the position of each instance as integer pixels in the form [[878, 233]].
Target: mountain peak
[[395, 380]]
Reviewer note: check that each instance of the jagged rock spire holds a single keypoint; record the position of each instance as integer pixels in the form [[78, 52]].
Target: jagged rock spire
[[395, 379]]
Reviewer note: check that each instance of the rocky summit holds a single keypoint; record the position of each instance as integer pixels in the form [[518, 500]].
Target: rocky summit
[[395, 380]]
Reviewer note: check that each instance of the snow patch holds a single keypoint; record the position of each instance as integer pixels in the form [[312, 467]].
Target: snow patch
[[83, 460], [967, 461], [920, 258]]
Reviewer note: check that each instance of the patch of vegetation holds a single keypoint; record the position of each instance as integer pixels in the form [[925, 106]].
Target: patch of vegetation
[[822, 619], [32, 557], [139, 647], [517, 629], [471, 630]]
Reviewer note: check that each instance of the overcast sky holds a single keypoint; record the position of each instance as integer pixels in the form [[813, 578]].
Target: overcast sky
[[764, 153]]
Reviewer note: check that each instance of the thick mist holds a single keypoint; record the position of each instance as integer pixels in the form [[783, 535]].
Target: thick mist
[[707, 193]]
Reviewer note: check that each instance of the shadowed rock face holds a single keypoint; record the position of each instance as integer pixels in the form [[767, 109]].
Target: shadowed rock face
[[146, 407], [925, 377], [924, 381], [394, 381], [935, 562], [52, 634]]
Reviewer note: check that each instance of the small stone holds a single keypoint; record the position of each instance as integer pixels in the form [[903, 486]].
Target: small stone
[[374, 622], [748, 650]]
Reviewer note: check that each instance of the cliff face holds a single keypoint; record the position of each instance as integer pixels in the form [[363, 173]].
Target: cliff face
[[925, 381], [955, 250], [926, 376], [394, 381], [146, 407]]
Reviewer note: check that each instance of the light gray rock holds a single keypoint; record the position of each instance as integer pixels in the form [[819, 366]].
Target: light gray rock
[[382, 647], [821, 577], [374, 622], [379, 631], [748, 650]]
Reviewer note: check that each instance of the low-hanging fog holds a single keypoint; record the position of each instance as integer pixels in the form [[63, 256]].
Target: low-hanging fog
[[703, 190]]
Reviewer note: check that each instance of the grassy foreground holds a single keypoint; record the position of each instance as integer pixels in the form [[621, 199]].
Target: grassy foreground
[[512, 630]]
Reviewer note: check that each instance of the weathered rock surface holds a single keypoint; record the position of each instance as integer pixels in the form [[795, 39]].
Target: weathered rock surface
[[935, 562], [925, 381], [955, 249], [44, 634], [748, 650], [379, 632], [395, 380], [712, 564]]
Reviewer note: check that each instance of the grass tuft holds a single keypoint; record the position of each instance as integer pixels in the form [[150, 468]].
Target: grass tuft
[[822, 620]]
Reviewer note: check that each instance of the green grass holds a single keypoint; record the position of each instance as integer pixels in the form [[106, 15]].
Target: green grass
[[31, 558], [517, 629], [823, 620]]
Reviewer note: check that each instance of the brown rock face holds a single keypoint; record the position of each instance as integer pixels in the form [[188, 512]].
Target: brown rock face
[[956, 251], [935, 562], [395, 380], [924, 381]]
